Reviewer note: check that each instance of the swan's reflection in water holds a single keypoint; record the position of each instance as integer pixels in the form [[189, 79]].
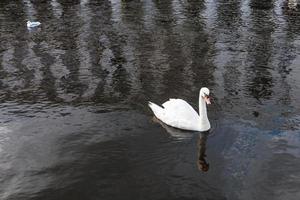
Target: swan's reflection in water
[[175, 132], [182, 134], [202, 164]]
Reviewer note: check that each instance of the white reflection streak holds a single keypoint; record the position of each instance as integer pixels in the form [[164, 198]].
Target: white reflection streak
[[56, 7], [8, 66], [33, 63], [131, 67], [245, 17], [107, 54], [280, 39], [149, 13], [186, 41], [177, 11], [30, 11], [86, 75], [129, 51], [106, 64], [3, 136], [210, 22], [116, 10], [158, 60], [7, 63], [58, 70], [159, 63], [209, 14]]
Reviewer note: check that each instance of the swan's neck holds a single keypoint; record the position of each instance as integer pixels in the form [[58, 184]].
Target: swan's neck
[[202, 108]]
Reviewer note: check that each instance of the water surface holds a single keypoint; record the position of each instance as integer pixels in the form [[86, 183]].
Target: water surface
[[74, 121]]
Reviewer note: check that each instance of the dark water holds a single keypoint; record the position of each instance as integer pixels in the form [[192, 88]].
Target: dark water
[[74, 122]]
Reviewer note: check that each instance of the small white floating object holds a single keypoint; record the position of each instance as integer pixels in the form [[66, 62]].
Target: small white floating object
[[32, 24]]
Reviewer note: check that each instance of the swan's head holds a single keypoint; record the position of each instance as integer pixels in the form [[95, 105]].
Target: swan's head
[[203, 165], [204, 93]]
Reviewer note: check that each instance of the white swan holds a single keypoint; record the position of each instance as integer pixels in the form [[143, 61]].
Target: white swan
[[179, 114], [32, 24]]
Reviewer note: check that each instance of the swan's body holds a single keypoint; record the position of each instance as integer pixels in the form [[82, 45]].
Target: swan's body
[[32, 24], [179, 114]]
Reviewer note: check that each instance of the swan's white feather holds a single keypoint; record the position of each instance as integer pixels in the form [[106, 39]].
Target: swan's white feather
[[177, 113], [32, 24]]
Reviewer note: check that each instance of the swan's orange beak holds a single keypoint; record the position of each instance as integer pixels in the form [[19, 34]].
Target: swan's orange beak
[[207, 100]]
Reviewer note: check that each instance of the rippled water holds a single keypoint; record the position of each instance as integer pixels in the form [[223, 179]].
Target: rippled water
[[74, 122]]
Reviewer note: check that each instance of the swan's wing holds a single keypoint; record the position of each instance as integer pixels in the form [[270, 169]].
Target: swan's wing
[[178, 113], [180, 108]]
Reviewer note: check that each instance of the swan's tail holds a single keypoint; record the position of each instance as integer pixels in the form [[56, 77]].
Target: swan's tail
[[157, 110]]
